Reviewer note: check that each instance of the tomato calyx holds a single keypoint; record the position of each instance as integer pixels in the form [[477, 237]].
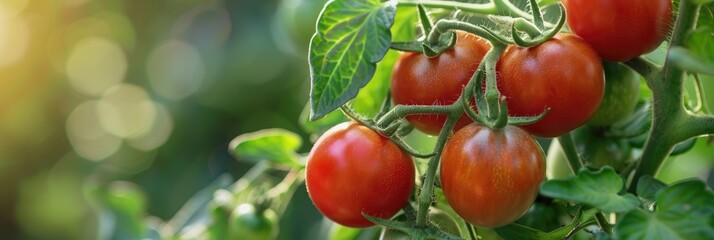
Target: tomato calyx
[[430, 231]]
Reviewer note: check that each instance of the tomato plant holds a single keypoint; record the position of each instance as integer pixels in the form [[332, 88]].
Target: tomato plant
[[620, 30], [248, 222], [421, 80], [485, 85], [563, 74], [353, 170], [498, 169], [622, 91]]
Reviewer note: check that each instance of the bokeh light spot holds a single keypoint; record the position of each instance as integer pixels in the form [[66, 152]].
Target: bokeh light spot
[[11, 8], [96, 64], [14, 39], [126, 111], [175, 69], [87, 136], [158, 132]]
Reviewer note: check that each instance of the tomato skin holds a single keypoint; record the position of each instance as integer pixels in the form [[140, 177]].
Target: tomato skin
[[246, 222], [622, 90], [563, 73], [352, 169], [420, 80], [491, 177], [620, 30]]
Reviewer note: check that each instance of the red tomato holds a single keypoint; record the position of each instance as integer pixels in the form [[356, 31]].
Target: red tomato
[[491, 177], [420, 80], [620, 30], [563, 73], [352, 169]]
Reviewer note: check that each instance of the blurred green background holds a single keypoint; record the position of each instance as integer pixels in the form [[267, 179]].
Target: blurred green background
[[145, 96], [147, 92]]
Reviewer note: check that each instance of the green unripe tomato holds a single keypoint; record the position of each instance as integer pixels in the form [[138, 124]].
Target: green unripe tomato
[[622, 90], [595, 152], [247, 223]]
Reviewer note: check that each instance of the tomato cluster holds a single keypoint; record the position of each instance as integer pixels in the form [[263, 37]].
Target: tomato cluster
[[491, 177]]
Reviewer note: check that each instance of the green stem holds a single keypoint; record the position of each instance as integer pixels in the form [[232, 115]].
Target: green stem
[[427, 189], [492, 94], [697, 125], [479, 8], [603, 223], [444, 25], [571, 153], [401, 111], [472, 230], [643, 67], [668, 106]]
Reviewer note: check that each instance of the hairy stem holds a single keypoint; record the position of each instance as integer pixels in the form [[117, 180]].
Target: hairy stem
[[669, 113], [427, 189]]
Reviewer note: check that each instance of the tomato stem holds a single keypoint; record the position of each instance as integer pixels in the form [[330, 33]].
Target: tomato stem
[[401, 111], [427, 190], [603, 223], [671, 123], [571, 153], [473, 234]]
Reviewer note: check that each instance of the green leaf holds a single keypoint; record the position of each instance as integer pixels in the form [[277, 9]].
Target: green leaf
[[688, 61], [684, 211], [516, 231], [352, 36], [275, 145], [647, 187], [598, 189]]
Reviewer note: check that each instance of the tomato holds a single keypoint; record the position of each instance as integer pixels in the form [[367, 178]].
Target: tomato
[[491, 177], [247, 222], [620, 30], [352, 169], [595, 151], [563, 73], [441, 219], [622, 90], [420, 80]]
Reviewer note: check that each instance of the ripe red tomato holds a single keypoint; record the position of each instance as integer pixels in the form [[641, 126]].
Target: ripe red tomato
[[420, 80], [491, 177], [352, 169], [563, 73], [620, 30]]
